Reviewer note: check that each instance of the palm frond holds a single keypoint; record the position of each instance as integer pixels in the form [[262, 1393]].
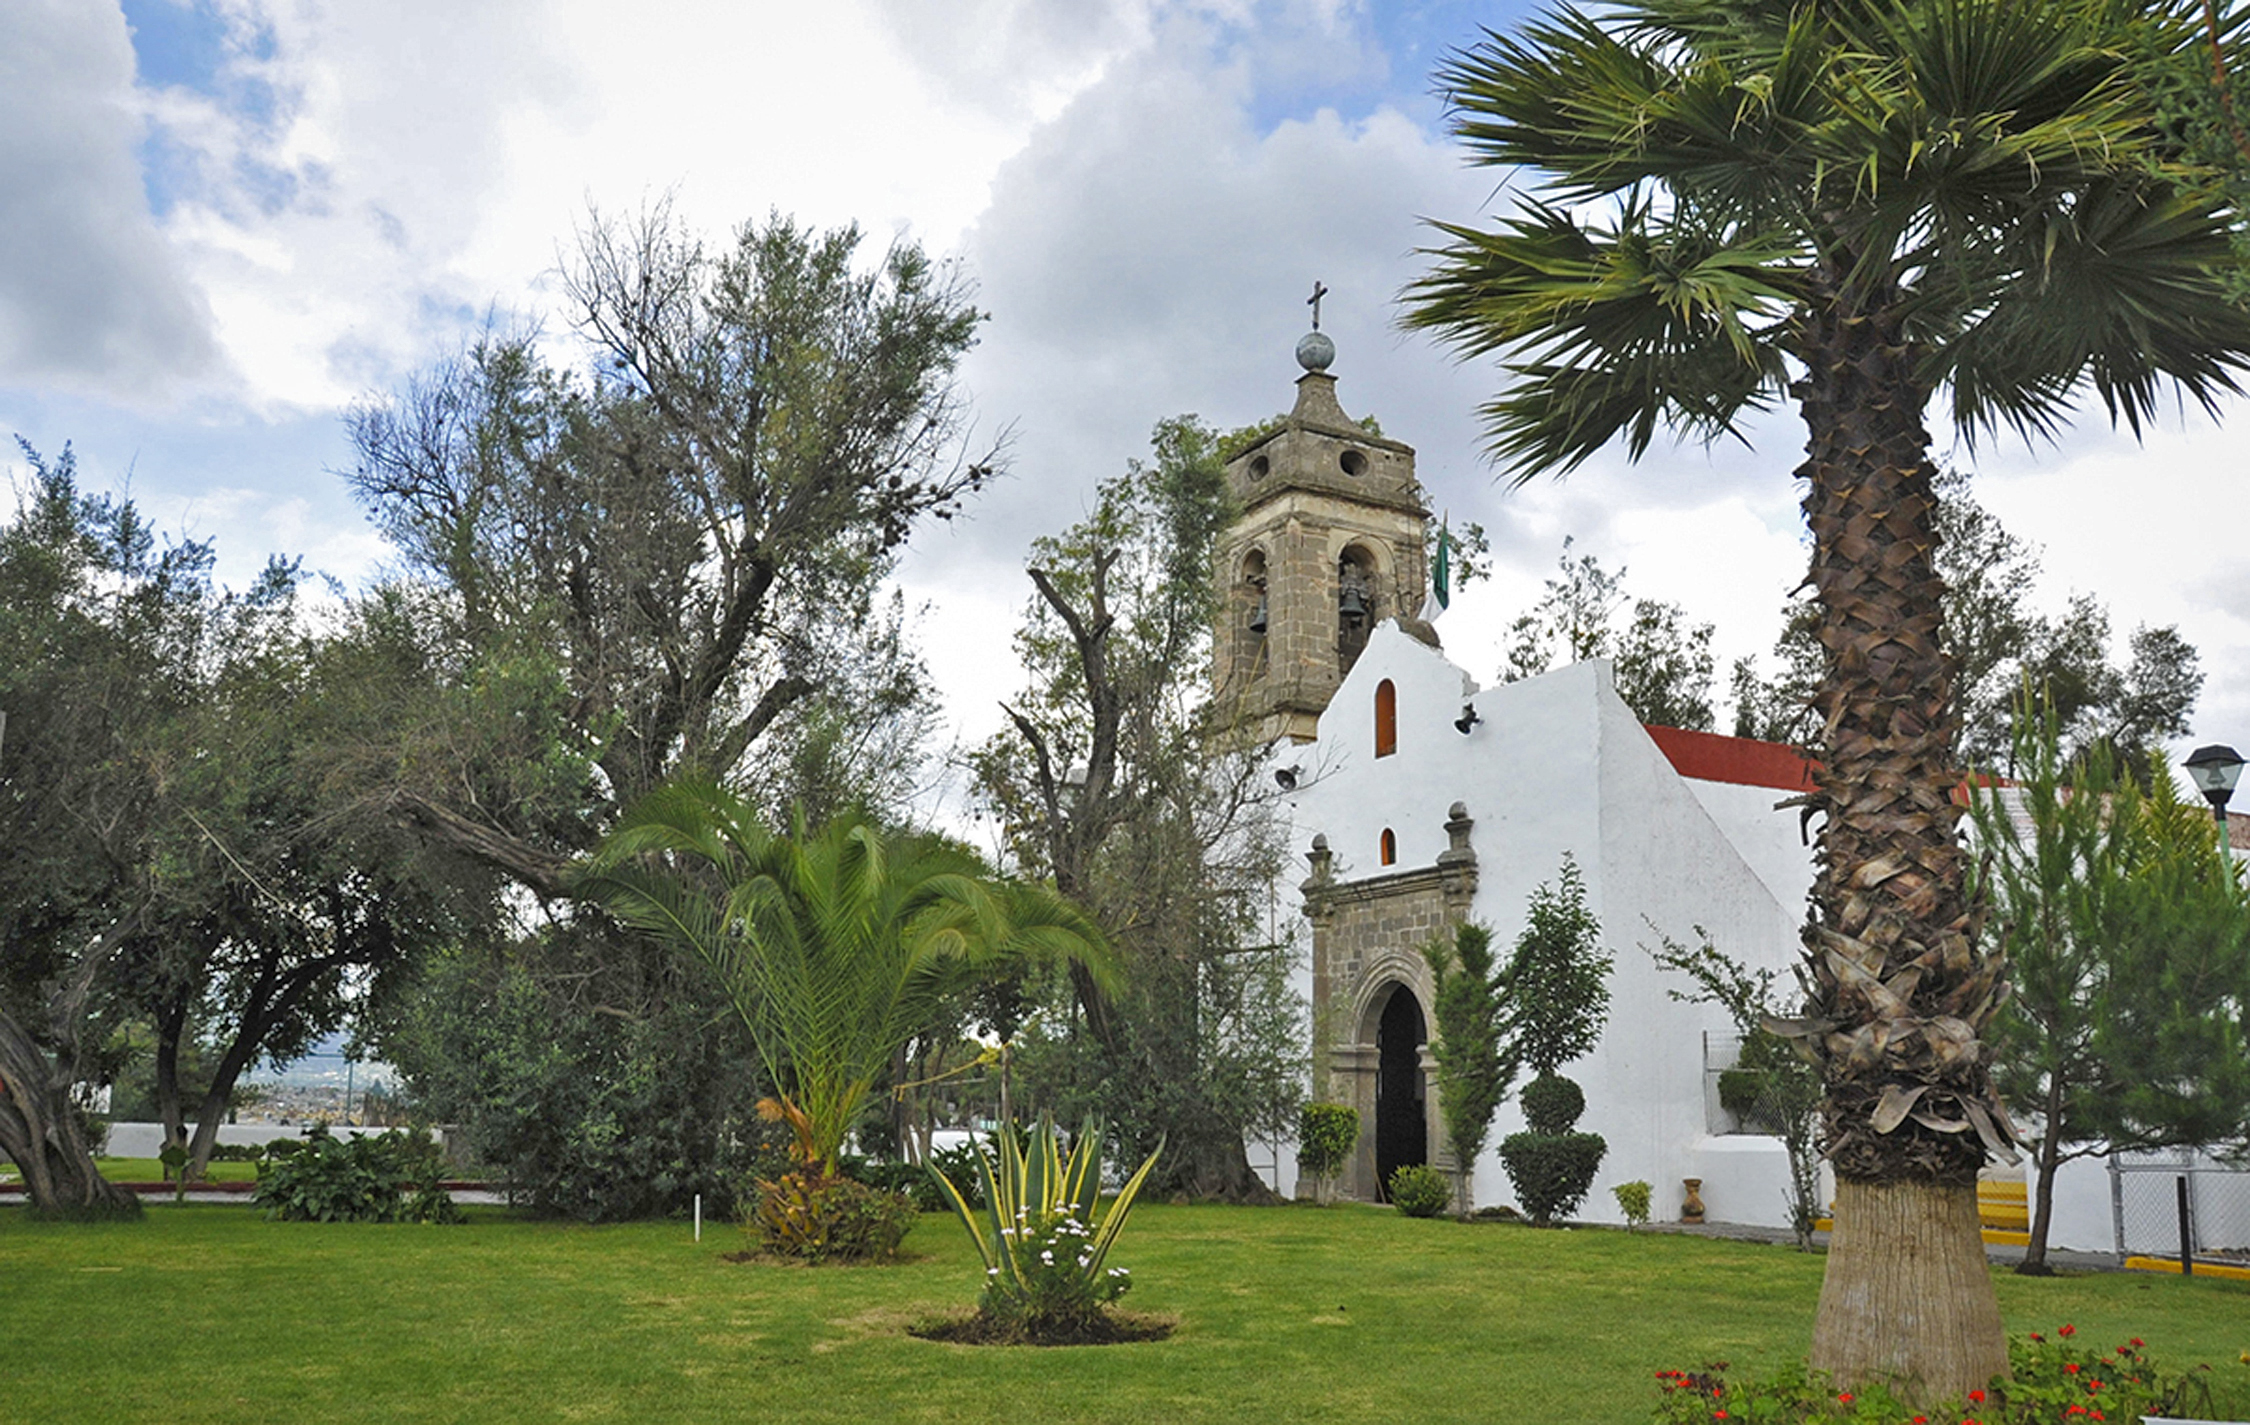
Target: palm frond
[[1645, 325], [2115, 291]]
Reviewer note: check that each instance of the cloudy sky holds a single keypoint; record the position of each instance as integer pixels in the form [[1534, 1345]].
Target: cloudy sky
[[224, 220]]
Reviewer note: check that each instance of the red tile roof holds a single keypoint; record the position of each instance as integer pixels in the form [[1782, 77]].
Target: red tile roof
[[1708, 757]]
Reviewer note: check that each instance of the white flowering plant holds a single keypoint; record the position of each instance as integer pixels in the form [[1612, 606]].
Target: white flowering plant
[[1044, 1243]]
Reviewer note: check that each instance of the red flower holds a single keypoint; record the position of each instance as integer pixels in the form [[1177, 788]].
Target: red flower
[[2038, 1336], [1845, 1396], [1718, 1415], [2068, 1331], [2138, 1343], [1977, 1396], [2071, 1367]]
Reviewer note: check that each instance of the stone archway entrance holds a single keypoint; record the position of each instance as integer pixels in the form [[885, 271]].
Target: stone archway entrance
[[1402, 1132]]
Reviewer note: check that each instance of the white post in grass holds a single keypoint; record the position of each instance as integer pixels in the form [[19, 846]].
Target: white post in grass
[[699, 1217]]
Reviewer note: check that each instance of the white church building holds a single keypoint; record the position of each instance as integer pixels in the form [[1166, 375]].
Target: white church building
[[1421, 800], [1426, 801]]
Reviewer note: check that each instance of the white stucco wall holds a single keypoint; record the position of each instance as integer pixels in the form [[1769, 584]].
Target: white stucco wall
[[1773, 843], [1559, 764]]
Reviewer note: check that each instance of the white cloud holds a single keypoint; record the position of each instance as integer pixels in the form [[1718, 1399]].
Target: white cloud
[[91, 298], [1138, 185]]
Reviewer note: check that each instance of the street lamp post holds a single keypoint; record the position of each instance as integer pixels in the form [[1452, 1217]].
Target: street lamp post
[[2215, 770]]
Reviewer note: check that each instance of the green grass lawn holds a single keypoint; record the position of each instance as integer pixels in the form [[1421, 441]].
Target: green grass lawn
[[1285, 1315], [148, 1170]]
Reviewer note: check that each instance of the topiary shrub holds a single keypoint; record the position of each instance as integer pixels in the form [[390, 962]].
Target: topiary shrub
[[1551, 1171], [1326, 1135], [1419, 1190], [1552, 1103]]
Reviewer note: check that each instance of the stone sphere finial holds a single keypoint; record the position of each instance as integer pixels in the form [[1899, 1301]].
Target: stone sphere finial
[[1315, 351]]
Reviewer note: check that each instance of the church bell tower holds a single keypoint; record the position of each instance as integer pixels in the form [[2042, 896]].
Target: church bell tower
[[1330, 543]]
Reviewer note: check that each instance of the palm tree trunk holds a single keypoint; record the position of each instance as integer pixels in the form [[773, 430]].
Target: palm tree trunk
[[1900, 993]]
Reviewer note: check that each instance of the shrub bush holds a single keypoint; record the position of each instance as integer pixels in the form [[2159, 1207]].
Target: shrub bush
[[387, 1177], [596, 1116], [910, 1180], [1419, 1190], [959, 1164], [2054, 1380], [827, 1219], [1552, 1103], [1632, 1200], [1326, 1135], [1551, 1171]]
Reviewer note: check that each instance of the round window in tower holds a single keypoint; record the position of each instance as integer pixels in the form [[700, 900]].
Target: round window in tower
[[1260, 467], [1354, 463]]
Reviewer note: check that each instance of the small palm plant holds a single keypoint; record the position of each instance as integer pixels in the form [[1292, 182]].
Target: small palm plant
[[1044, 1246]]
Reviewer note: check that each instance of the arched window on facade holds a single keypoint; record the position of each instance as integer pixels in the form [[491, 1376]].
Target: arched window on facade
[[1390, 847], [1386, 718]]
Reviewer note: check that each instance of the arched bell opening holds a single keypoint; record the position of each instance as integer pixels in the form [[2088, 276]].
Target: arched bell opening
[[1358, 604], [1253, 615]]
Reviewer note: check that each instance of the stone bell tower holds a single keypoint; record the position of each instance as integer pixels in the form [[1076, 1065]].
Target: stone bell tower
[[1329, 544]]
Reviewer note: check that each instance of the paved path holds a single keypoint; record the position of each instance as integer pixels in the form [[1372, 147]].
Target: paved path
[[2001, 1254]]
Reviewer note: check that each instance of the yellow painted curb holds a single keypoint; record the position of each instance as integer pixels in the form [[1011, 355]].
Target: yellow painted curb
[[2172, 1265]]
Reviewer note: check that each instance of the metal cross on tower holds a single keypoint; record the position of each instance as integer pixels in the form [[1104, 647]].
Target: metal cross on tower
[[1318, 292]]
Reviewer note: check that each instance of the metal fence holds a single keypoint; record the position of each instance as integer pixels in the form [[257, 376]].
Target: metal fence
[[2158, 1199]]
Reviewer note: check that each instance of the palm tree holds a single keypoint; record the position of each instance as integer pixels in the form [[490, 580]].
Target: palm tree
[[1855, 205], [835, 946]]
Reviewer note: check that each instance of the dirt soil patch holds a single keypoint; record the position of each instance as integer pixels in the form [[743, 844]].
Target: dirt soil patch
[[1111, 1328]]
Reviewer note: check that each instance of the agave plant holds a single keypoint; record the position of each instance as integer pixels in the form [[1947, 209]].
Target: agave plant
[[1044, 1251]]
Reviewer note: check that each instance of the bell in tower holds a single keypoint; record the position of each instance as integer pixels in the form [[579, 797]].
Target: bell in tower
[[1329, 544]]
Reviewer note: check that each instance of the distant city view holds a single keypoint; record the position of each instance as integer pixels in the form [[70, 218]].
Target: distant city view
[[323, 1084]]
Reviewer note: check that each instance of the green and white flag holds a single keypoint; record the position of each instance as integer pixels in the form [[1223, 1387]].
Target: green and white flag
[[1441, 575]]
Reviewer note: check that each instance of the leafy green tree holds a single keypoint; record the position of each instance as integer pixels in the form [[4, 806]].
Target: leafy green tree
[[1853, 206], [834, 946], [1473, 1067], [1663, 663], [1556, 988], [670, 559], [1999, 643], [279, 903], [1557, 979], [659, 552], [1120, 783], [98, 626], [593, 1081], [2127, 930]]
